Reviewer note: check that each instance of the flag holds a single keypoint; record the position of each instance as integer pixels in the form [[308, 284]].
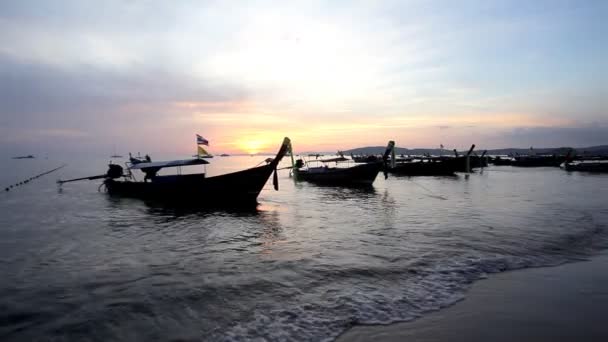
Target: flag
[[202, 152], [201, 141]]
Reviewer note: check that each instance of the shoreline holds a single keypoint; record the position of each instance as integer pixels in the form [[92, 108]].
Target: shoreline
[[567, 302]]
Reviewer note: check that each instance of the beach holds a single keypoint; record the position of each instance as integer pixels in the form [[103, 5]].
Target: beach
[[562, 303]]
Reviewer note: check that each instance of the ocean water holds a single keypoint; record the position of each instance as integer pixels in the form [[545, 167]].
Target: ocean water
[[309, 262]]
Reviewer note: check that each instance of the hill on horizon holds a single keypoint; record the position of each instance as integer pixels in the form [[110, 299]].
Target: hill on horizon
[[368, 150]]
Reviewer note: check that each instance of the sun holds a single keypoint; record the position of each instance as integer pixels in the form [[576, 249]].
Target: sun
[[252, 146]]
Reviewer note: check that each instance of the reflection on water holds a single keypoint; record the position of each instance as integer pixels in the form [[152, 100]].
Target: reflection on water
[[305, 264]]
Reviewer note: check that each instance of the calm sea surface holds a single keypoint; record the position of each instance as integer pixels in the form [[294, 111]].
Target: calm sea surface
[[78, 265]]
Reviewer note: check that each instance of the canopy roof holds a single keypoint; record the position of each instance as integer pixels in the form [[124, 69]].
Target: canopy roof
[[171, 163], [333, 160]]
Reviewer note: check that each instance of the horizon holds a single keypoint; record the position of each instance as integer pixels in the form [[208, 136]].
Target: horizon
[[83, 78]]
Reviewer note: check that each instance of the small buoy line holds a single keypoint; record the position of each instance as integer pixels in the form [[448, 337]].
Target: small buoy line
[[8, 188]]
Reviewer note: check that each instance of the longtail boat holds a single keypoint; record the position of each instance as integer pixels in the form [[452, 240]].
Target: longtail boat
[[538, 160], [464, 163], [595, 165], [424, 167], [599, 166], [502, 160], [319, 171], [232, 189]]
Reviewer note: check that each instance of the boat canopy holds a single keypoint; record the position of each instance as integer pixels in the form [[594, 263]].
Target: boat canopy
[[171, 163], [333, 160]]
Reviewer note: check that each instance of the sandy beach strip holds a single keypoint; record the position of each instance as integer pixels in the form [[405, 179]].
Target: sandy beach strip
[[563, 303]]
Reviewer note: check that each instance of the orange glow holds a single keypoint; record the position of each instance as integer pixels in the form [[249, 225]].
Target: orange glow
[[252, 126], [253, 143]]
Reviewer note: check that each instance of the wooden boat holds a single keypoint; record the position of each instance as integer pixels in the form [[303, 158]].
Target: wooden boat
[[538, 161], [232, 189], [502, 161], [424, 167], [114, 154], [464, 163], [586, 166], [365, 158], [357, 175]]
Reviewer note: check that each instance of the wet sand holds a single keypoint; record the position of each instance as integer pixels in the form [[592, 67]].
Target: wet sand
[[562, 303]]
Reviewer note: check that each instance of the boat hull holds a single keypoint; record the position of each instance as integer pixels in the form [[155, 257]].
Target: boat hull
[[239, 188], [588, 167], [459, 164], [358, 175], [424, 169], [233, 189], [540, 161]]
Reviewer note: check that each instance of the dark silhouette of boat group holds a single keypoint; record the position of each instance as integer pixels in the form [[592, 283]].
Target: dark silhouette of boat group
[[243, 187]]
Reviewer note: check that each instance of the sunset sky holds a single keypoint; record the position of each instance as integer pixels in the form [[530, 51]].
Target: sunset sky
[[148, 75]]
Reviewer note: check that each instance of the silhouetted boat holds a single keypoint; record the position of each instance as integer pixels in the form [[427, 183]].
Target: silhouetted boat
[[424, 167], [232, 189], [114, 154], [365, 158], [357, 175], [587, 166], [24, 157], [464, 163], [538, 161], [501, 160]]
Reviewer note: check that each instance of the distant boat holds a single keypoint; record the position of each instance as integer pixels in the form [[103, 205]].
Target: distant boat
[[365, 158], [599, 166], [424, 167], [538, 161], [224, 155], [114, 154], [138, 159], [25, 157], [501, 161], [318, 171], [232, 189], [467, 162]]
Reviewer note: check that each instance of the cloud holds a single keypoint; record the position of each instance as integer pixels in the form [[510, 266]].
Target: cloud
[[557, 136], [324, 72]]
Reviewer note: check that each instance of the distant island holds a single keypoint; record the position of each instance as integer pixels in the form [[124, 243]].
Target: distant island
[[601, 150], [24, 157]]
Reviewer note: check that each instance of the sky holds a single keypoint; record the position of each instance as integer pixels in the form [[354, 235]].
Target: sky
[[78, 75]]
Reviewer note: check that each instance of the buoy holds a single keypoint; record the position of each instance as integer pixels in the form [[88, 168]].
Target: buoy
[[7, 189]]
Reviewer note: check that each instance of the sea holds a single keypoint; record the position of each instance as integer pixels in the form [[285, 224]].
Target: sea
[[305, 265]]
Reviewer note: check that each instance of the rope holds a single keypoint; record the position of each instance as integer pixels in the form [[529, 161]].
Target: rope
[[430, 193], [8, 188]]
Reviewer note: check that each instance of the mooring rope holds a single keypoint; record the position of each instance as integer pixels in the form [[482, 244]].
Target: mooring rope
[[430, 193], [8, 188]]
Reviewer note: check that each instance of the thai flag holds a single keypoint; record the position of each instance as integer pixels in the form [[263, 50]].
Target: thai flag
[[201, 141]]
